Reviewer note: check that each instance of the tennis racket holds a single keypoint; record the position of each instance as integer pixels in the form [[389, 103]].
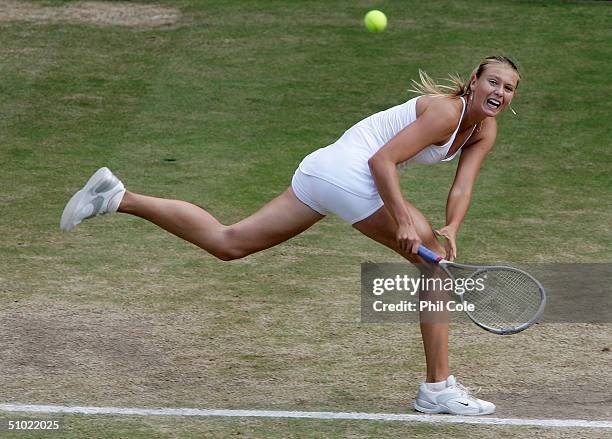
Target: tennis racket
[[509, 301]]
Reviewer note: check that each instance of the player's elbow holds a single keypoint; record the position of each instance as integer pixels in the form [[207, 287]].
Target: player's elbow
[[372, 162], [375, 162]]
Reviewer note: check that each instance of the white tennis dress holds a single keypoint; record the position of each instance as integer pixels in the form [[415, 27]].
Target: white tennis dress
[[337, 178]]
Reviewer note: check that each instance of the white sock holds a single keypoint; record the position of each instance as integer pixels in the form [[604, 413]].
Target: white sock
[[113, 203], [436, 387]]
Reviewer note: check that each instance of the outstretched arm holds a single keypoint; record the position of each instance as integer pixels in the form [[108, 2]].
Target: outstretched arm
[[460, 194]]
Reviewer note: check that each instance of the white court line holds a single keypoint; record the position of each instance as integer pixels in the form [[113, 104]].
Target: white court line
[[433, 419]]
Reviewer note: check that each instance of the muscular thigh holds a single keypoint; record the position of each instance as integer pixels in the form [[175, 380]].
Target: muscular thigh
[[381, 227], [282, 218]]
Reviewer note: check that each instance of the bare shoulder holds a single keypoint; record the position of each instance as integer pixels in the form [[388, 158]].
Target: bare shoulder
[[442, 112], [446, 107]]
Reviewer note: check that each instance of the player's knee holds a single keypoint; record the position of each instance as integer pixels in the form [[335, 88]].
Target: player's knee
[[429, 269], [229, 255], [230, 246], [432, 243]]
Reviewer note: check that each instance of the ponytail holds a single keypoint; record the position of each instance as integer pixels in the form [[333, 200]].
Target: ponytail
[[427, 86]]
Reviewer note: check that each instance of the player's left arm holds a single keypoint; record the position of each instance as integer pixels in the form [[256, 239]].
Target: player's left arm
[[460, 194]]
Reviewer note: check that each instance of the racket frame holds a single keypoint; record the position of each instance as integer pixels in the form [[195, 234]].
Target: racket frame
[[434, 258]]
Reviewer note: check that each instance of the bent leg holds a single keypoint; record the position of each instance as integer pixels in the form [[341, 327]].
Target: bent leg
[[381, 227], [282, 218]]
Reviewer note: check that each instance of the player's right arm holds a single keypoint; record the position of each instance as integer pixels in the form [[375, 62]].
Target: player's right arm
[[434, 125]]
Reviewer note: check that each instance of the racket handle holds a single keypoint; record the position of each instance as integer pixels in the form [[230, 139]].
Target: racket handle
[[429, 255]]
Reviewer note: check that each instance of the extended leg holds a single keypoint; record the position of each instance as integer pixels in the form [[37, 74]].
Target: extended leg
[[282, 218]]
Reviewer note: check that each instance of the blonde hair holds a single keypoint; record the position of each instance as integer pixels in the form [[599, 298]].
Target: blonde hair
[[458, 86], [427, 86]]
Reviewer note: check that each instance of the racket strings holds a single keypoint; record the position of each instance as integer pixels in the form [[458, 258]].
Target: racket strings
[[507, 299]]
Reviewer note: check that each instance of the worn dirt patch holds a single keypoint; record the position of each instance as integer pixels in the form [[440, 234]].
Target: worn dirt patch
[[96, 13], [53, 351]]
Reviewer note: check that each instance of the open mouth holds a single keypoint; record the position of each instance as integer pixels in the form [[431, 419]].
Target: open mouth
[[493, 103]]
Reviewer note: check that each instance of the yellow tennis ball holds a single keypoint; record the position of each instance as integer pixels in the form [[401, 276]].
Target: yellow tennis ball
[[375, 21]]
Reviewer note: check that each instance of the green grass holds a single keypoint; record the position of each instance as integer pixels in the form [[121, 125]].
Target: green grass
[[237, 93]]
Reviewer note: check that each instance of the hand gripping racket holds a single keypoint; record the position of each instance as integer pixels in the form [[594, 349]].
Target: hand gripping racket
[[509, 301]]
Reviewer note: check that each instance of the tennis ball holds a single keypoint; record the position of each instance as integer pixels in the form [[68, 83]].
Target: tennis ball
[[375, 21]]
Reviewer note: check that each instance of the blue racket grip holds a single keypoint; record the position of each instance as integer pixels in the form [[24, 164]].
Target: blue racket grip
[[428, 255]]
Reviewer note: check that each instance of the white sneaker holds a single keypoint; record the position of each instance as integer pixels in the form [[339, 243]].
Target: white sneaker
[[454, 399], [101, 194]]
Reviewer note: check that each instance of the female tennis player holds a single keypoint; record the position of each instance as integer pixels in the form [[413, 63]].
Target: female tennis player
[[357, 178]]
